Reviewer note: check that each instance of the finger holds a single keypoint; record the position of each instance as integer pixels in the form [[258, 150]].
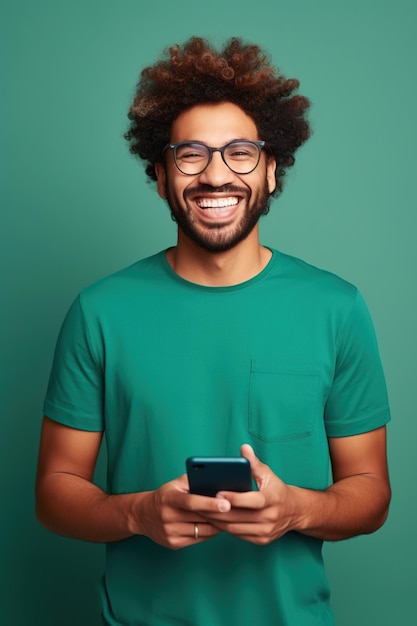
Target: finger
[[177, 516], [181, 497], [182, 483], [245, 500], [186, 501], [260, 472], [207, 504], [189, 533], [237, 516], [196, 530], [250, 532]]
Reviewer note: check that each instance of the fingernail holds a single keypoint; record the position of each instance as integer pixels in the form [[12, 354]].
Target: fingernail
[[224, 506]]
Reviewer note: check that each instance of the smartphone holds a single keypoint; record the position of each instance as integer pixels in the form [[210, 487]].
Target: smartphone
[[209, 474]]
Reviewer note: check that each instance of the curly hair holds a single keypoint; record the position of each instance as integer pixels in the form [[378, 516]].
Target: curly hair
[[197, 74]]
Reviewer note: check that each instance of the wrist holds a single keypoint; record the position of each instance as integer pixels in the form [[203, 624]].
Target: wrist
[[137, 512], [300, 508]]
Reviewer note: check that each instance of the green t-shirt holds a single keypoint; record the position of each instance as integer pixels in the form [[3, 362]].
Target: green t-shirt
[[170, 369]]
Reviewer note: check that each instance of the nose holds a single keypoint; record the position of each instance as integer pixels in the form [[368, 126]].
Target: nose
[[217, 173]]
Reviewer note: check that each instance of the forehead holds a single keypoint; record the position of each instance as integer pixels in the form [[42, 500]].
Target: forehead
[[213, 124]]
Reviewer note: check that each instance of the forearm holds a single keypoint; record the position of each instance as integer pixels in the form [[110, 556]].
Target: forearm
[[68, 503], [73, 506], [352, 506]]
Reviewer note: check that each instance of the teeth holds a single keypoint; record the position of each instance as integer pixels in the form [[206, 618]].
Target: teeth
[[217, 203]]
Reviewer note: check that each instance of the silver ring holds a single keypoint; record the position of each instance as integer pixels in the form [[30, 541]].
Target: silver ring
[[195, 531]]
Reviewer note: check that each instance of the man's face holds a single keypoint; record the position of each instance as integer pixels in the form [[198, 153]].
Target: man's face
[[217, 208]]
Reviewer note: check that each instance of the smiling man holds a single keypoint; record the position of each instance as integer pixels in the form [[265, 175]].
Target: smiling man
[[204, 348]]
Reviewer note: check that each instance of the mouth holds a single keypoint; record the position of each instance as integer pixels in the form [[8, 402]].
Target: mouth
[[217, 205]]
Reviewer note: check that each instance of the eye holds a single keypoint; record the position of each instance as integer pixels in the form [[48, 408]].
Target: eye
[[191, 152], [236, 154], [241, 151]]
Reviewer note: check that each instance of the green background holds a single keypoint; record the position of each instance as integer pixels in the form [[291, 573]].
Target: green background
[[75, 206]]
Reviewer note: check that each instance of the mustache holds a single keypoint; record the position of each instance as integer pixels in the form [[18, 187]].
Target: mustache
[[202, 189]]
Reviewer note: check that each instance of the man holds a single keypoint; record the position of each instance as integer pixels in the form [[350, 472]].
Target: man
[[216, 342]]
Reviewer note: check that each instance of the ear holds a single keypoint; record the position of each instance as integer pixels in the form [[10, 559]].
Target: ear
[[161, 179], [271, 166]]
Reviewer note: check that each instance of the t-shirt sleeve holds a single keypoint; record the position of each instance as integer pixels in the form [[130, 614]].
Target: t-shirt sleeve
[[75, 390], [358, 399]]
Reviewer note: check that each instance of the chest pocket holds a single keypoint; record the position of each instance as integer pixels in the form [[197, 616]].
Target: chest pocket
[[283, 400]]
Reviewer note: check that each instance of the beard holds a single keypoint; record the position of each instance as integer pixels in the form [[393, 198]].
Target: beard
[[220, 237]]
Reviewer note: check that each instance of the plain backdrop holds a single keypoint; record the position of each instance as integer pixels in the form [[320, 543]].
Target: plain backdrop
[[75, 206]]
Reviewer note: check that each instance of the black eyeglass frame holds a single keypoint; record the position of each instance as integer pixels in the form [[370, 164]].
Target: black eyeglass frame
[[173, 146]]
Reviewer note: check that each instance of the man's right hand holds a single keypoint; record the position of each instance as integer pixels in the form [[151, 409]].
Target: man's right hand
[[171, 516]]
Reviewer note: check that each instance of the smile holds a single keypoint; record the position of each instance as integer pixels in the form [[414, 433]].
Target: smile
[[217, 203]]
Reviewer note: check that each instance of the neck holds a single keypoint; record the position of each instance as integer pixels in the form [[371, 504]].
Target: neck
[[218, 269]]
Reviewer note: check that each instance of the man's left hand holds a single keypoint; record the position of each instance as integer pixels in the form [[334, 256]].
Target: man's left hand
[[257, 516]]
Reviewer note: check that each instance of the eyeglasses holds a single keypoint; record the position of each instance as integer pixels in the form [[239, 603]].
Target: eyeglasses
[[192, 158]]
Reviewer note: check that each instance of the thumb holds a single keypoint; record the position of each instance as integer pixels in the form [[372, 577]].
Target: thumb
[[261, 473]]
